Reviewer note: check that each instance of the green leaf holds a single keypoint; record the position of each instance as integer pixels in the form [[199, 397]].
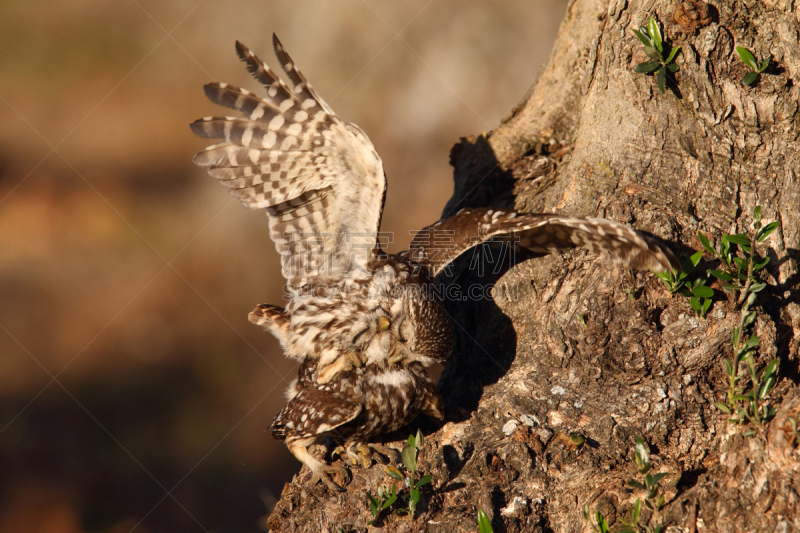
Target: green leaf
[[485, 526], [757, 213], [644, 40], [373, 505], [766, 231], [642, 454], [747, 57], [695, 303], [752, 341], [658, 477], [730, 288], [759, 265], [757, 287], [411, 441], [739, 238], [740, 263], [394, 473], [750, 78], [705, 244], [703, 292], [724, 250], [655, 33], [672, 54], [672, 67], [706, 306], [647, 66], [413, 498], [636, 484], [722, 407], [420, 440], [660, 80], [695, 258], [602, 523], [721, 274], [391, 499], [409, 456], [726, 365], [763, 66], [637, 507], [424, 480], [654, 54]]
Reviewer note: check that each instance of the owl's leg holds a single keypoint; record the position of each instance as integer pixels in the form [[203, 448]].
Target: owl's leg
[[320, 471]]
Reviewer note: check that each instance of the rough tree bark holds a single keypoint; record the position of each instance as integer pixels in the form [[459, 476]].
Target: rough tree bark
[[592, 138]]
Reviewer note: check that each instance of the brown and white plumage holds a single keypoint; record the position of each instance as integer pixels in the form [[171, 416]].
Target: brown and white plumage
[[319, 179], [363, 323], [440, 243], [360, 404]]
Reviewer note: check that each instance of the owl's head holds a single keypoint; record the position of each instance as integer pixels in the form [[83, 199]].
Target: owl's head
[[414, 328]]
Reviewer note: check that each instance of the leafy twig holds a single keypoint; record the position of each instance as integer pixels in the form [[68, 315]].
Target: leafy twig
[[386, 497]]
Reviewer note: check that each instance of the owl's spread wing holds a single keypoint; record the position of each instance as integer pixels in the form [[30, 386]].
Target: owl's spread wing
[[319, 179], [440, 243]]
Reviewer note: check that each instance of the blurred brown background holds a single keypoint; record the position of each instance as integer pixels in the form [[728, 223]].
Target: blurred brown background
[[133, 392]]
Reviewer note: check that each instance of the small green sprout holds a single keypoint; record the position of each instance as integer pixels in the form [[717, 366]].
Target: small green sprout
[[650, 37], [675, 281], [641, 456], [383, 501], [484, 524], [794, 432], [754, 408], [739, 270], [756, 68], [699, 295], [597, 521], [387, 497]]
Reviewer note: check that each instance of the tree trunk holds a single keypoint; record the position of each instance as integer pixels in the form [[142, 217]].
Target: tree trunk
[[563, 350]]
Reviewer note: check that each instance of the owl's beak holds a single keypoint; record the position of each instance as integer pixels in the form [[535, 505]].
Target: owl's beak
[[383, 324]]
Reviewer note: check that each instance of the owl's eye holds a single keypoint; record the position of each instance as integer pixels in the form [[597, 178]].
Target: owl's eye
[[359, 334]]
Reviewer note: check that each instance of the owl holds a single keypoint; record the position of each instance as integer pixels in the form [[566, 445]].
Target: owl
[[363, 323]]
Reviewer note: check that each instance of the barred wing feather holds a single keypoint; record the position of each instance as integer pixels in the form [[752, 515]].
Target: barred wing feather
[[439, 244], [319, 179]]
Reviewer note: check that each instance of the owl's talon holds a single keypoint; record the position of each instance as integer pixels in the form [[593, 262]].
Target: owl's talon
[[365, 454], [323, 473], [356, 359], [385, 453]]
